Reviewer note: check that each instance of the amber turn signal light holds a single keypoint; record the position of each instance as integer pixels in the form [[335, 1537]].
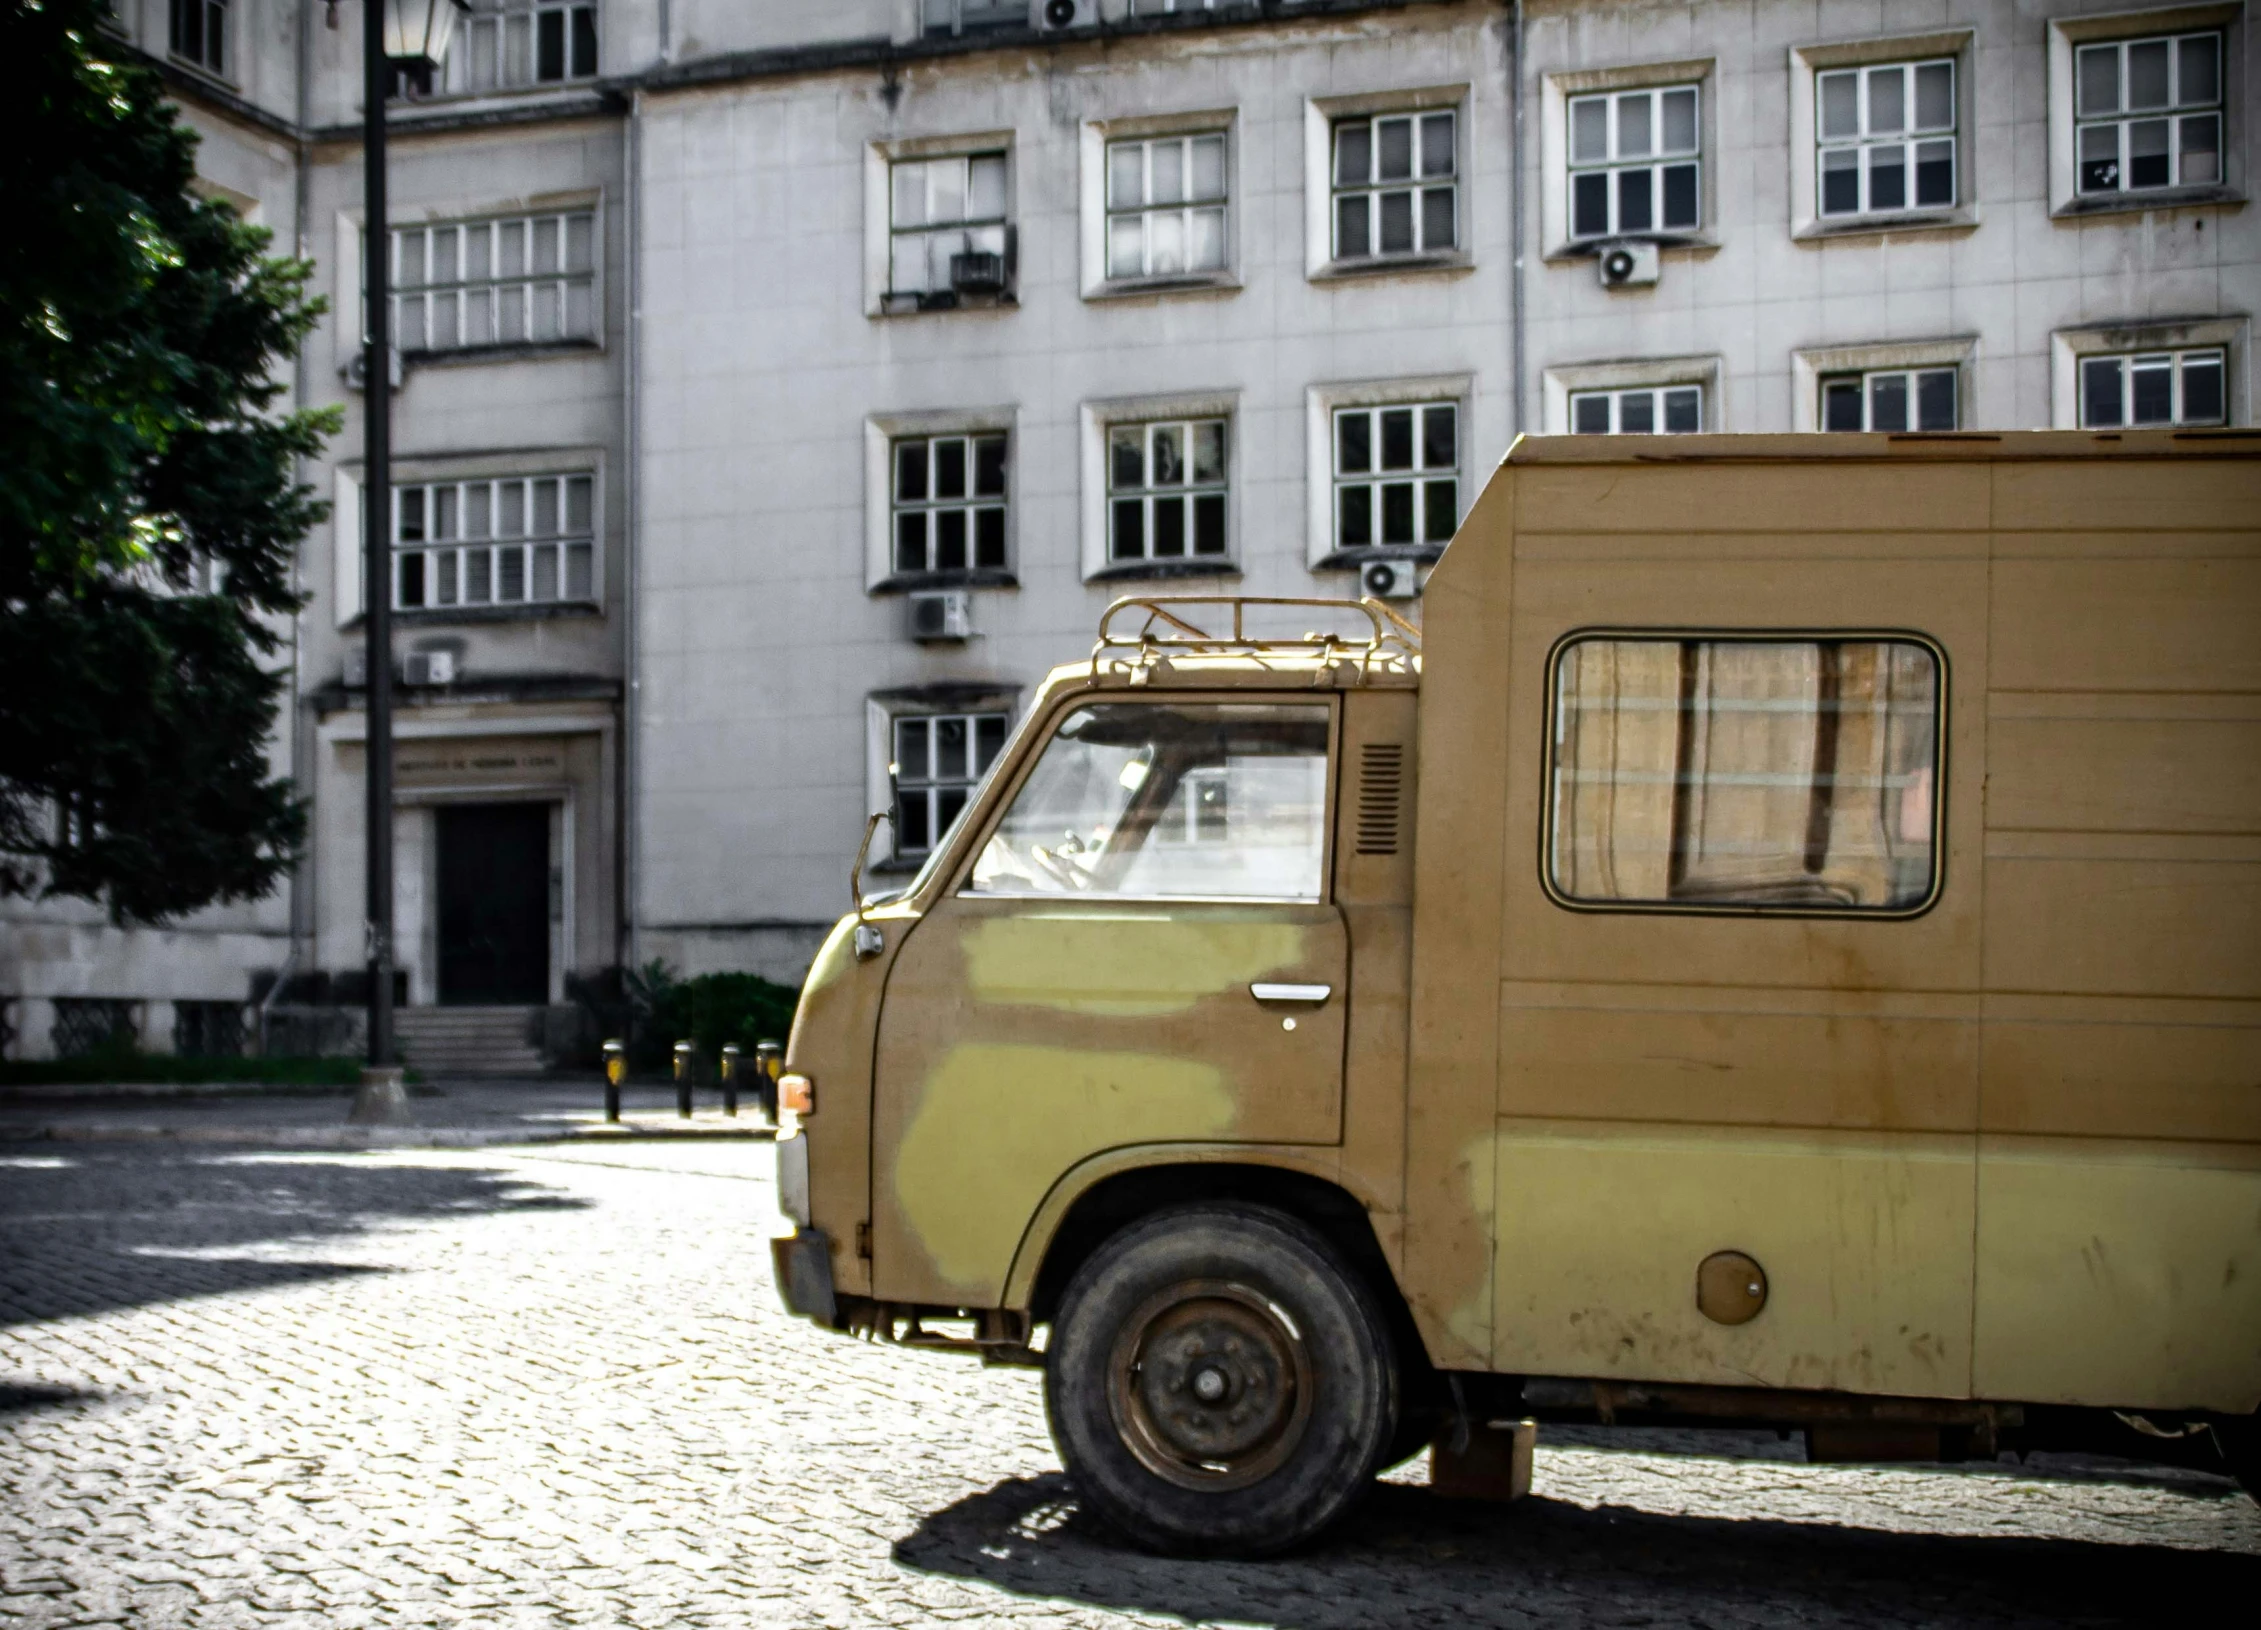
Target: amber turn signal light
[[796, 1093]]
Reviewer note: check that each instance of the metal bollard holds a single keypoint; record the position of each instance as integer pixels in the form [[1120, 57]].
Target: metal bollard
[[616, 1069], [730, 1078], [683, 1079], [769, 1063]]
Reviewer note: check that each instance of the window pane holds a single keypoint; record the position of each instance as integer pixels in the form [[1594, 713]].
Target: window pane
[[950, 749], [549, 50], [910, 541], [912, 760], [1633, 125], [545, 572], [1209, 524], [949, 540], [1397, 223], [510, 509], [1126, 457], [1589, 129], [1841, 405], [1397, 512], [1397, 439], [2099, 76], [989, 538], [1679, 121], [1683, 411], [1738, 772], [989, 465], [411, 580], [1840, 96], [2100, 158], [1126, 175], [2200, 78], [1441, 500], [1887, 109], [1147, 799], [1636, 413], [1935, 400], [910, 195], [1935, 174], [2202, 150], [443, 512], [910, 471], [1129, 541], [1436, 144], [447, 583], [1209, 450], [985, 187], [2151, 392], [1165, 243], [950, 468], [1351, 229], [1590, 204], [1126, 246], [408, 259], [1440, 439], [1841, 181], [1589, 415], [1633, 213], [1356, 516], [1437, 229], [2147, 75], [478, 568], [1935, 96], [1208, 167], [1166, 171], [1888, 402], [478, 510], [1887, 177], [1354, 154], [1354, 454], [918, 823], [1169, 527], [510, 574], [2202, 390], [1394, 140], [580, 572], [989, 739], [545, 509], [1205, 247], [2147, 154], [1168, 453], [409, 513], [584, 41], [1680, 210], [2100, 393]]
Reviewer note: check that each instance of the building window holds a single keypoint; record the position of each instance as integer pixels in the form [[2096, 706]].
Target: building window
[[511, 44], [1643, 411], [946, 224], [2148, 113], [1395, 186], [1634, 163], [513, 541], [2152, 388], [89, 1025], [950, 502], [1886, 138], [1890, 399], [200, 33], [526, 280], [1166, 206], [943, 19], [1397, 474], [208, 1029], [1166, 488], [939, 759], [1744, 773]]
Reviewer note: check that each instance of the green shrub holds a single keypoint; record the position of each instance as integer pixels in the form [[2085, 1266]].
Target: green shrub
[[707, 1011]]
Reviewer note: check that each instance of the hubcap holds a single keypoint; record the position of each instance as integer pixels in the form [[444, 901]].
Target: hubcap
[[1209, 1385]]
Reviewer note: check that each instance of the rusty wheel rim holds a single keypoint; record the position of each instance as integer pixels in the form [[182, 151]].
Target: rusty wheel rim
[[1209, 1384]]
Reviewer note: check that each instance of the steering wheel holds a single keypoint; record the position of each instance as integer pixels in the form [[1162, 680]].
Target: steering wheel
[[1058, 868]]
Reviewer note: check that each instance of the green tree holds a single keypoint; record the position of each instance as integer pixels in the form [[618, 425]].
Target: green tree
[[148, 505]]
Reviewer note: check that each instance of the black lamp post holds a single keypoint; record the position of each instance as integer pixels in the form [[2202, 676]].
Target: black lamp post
[[407, 38]]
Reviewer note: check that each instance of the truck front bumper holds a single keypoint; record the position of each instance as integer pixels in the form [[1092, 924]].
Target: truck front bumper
[[803, 1264]]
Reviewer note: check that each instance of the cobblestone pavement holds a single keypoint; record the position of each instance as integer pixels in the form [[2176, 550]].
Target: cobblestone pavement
[[554, 1388]]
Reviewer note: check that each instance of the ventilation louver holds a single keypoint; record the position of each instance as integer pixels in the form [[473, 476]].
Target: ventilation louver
[[1381, 795]]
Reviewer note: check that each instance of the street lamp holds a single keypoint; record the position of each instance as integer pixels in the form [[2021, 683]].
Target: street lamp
[[407, 39]]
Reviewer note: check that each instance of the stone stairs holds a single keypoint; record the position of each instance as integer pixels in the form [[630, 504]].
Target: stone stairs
[[443, 1041]]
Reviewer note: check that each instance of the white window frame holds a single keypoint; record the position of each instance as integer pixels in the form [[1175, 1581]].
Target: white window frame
[[880, 159], [1098, 420], [2068, 34], [1320, 116], [1809, 368], [1866, 385], [212, 62], [970, 504], [500, 28], [1095, 139], [349, 567], [1559, 90], [1321, 405], [449, 565], [418, 239], [1560, 384], [882, 709], [1617, 401], [1809, 62], [931, 788], [1653, 162], [2070, 347], [882, 431]]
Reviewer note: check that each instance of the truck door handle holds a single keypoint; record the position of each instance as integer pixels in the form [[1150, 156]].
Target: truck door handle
[[1291, 993]]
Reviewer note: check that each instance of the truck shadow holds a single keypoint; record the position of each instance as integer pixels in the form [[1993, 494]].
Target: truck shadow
[[103, 1229], [1407, 1557]]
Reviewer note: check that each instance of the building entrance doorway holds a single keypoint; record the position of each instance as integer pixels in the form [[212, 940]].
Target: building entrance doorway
[[494, 904]]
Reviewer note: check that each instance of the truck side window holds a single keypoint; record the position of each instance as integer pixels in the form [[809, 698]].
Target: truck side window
[[1156, 800], [1748, 773]]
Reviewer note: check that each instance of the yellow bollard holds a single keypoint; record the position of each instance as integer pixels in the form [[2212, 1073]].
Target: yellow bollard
[[616, 1071], [683, 1079], [730, 1078]]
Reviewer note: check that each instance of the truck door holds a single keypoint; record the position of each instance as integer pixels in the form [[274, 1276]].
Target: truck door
[[1140, 949]]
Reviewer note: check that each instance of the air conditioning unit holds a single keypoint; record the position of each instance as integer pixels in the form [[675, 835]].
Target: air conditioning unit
[[946, 614], [1627, 265], [1054, 15], [356, 369], [977, 272], [1390, 579], [428, 668]]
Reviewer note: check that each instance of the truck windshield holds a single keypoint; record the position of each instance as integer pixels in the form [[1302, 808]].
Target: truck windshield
[[1170, 801]]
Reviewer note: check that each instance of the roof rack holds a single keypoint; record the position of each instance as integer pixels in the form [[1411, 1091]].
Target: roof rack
[[1164, 627]]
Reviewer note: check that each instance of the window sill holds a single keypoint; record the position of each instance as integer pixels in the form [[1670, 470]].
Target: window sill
[[941, 301], [1454, 264], [1350, 560], [1578, 249], [1138, 288], [201, 71], [2143, 203], [1963, 218], [988, 577], [468, 356], [1123, 571]]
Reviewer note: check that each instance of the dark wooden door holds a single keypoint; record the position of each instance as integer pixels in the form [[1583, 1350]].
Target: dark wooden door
[[494, 904]]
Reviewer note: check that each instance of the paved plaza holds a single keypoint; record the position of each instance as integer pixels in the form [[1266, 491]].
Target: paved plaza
[[552, 1386]]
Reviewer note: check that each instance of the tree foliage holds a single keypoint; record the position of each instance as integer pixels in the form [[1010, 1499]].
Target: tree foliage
[[149, 508]]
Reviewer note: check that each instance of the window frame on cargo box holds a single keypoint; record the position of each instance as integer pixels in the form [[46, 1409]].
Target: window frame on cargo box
[[1934, 793]]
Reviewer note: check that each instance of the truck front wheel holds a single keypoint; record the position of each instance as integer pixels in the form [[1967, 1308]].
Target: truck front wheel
[[1219, 1382]]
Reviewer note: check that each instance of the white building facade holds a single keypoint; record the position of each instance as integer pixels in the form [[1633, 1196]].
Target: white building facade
[[835, 364]]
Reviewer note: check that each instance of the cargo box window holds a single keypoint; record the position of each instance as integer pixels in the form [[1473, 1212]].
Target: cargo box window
[[1170, 801], [1746, 774]]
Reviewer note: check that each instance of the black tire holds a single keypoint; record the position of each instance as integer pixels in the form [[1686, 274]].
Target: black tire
[[1252, 1303], [2240, 1441]]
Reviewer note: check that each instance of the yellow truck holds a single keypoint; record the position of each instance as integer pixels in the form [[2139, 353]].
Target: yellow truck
[[1780, 945]]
